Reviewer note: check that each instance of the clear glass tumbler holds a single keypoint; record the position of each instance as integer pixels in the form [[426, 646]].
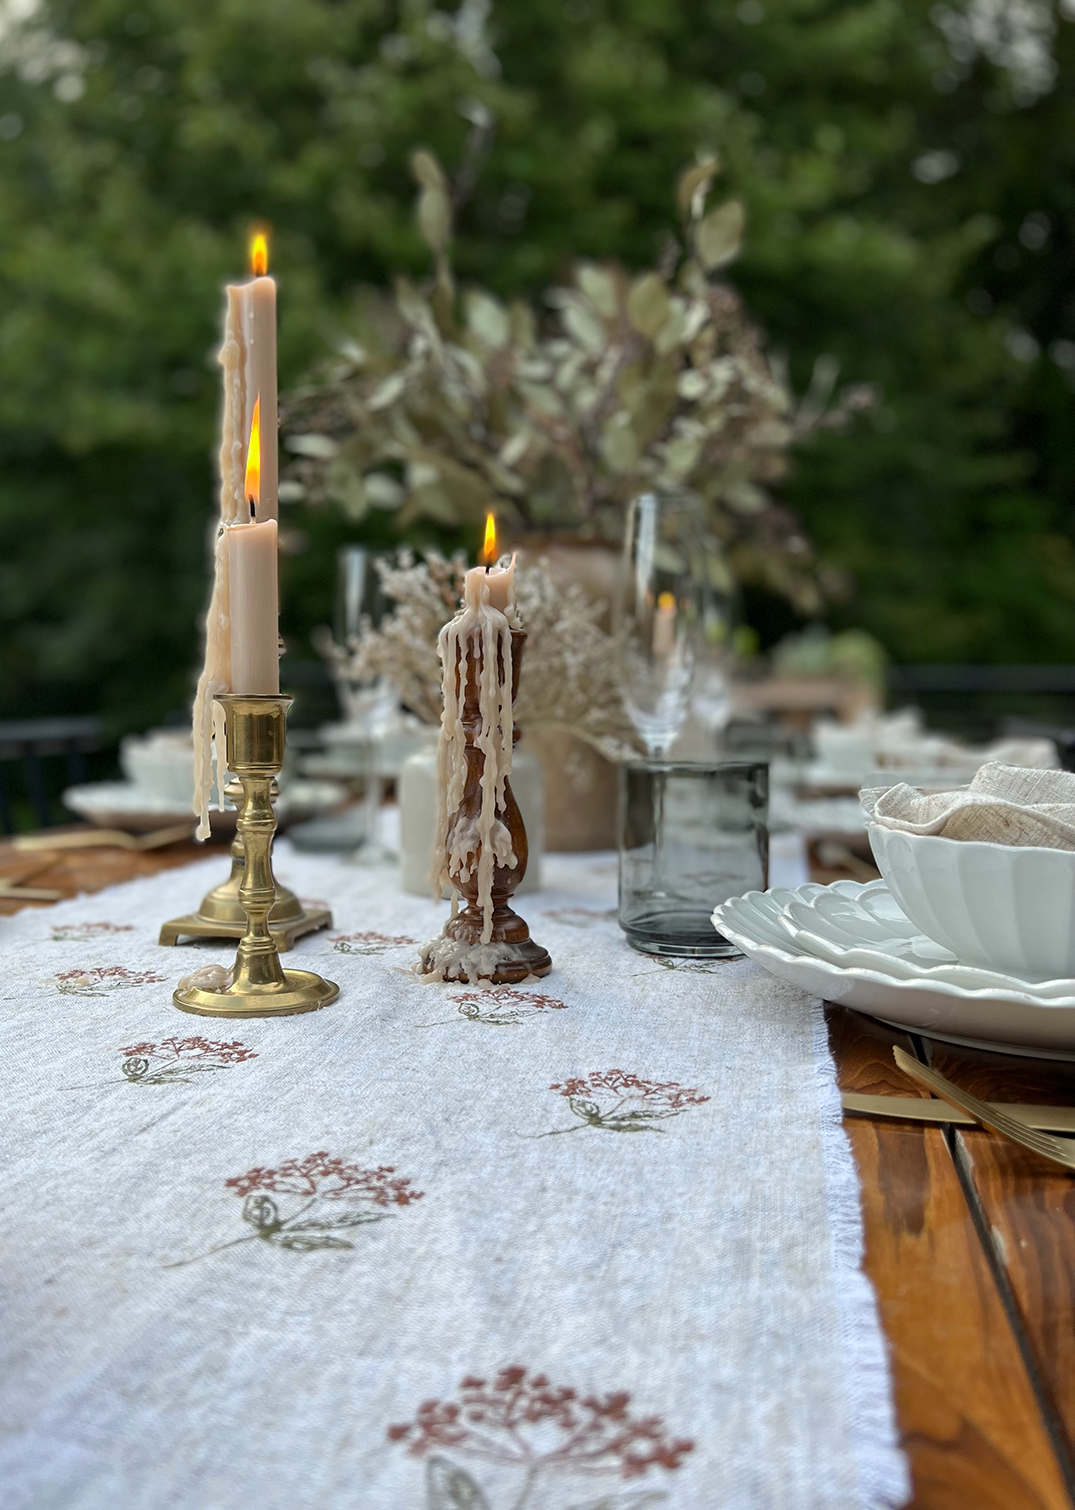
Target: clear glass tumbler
[[692, 834]]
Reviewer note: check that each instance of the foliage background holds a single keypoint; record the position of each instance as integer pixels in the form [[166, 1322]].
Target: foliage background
[[908, 172]]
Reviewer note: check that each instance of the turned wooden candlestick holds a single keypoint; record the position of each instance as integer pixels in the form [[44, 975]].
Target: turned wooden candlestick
[[524, 957]]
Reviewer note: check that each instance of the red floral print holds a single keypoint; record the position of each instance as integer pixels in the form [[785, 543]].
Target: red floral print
[[86, 933], [369, 943], [176, 1060], [502, 1007], [623, 1102], [330, 1179], [363, 1196], [102, 979], [523, 1420]]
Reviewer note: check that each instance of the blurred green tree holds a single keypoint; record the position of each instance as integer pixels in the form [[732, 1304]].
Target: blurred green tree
[[908, 173]]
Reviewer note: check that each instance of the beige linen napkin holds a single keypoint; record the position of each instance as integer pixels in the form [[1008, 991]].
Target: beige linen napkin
[[1004, 804]]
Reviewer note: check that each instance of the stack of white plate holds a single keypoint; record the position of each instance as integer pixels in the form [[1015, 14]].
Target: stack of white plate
[[850, 943]]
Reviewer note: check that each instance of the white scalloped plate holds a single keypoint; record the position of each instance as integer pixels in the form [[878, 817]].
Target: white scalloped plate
[[1018, 1016], [862, 926], [121, 804]]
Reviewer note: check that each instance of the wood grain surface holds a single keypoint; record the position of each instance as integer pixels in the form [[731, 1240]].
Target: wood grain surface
[[75, 870], [971, 1418], [1028, 1217]]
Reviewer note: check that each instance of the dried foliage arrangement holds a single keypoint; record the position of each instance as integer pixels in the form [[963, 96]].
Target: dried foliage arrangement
[[452, 408], [570, 680]]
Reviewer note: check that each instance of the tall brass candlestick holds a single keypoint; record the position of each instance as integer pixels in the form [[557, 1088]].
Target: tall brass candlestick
[[254, 733]]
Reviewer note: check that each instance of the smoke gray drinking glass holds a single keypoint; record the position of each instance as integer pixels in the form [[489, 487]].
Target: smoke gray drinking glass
[[692, 834]]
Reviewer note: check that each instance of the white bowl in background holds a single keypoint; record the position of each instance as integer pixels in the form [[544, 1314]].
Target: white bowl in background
[[1003, 907], [160, 763]]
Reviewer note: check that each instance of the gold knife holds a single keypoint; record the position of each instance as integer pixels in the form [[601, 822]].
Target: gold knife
[[927, 1109]]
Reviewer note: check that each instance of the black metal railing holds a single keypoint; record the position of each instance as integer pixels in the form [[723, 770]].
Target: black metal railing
[[28, 748]]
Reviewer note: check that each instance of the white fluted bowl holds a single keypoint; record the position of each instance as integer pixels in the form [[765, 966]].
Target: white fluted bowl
[[1001, 907]]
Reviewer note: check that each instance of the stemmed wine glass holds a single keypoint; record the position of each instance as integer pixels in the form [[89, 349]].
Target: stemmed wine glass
[[688, 830], [369, 704], [661, 614]]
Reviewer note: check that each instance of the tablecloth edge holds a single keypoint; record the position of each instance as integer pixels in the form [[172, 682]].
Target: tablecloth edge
[[884, 1471]]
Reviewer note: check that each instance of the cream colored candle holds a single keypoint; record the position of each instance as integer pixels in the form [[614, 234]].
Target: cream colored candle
[[253, 592], [252, 586], [248, 357], [494, 585], [664, 626]]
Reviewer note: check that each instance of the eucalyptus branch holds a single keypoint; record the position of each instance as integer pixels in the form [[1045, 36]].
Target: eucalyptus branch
[[455, 407]]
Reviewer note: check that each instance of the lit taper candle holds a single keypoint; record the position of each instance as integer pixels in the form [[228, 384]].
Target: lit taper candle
[[248, 359]]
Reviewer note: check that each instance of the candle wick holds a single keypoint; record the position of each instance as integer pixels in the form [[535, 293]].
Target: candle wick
[[253, 510]]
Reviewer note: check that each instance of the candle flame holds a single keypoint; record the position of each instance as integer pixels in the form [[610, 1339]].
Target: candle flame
[[666, 600], [488, 550], [259, 254], [252, 487]]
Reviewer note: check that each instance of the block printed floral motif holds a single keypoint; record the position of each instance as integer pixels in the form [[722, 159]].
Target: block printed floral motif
[[622, 1102], [522, 1421], [369, 943], [100, 980], [502, 1007], [86, 933], [691, 966], [318, 1198], [175, 1061]]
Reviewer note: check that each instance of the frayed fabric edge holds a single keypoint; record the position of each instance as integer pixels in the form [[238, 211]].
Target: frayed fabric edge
[[884, 1472]]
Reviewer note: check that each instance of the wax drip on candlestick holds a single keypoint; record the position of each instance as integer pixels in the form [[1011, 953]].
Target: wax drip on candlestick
[[480, 847]]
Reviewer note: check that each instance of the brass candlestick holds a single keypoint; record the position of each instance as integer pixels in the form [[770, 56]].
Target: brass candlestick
[[254, 730], [513, 954], [221, 913]]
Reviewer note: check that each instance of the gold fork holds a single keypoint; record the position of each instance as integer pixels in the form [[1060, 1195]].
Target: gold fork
[[1059, 1150]]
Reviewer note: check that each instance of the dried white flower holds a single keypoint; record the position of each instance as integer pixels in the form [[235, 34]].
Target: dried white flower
[[570, 679]]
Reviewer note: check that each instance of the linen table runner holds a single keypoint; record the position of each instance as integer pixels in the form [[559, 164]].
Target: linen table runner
[[590, 1244]]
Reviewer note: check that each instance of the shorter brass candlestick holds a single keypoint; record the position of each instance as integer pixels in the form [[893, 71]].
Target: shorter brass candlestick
[[221, 915], [254, 730]]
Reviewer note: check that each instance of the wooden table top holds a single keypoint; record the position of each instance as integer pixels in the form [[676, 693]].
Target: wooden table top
[[970, 1244]]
